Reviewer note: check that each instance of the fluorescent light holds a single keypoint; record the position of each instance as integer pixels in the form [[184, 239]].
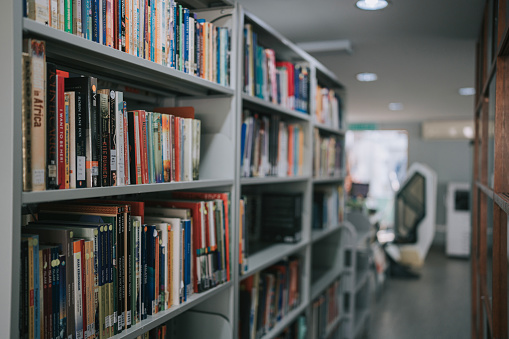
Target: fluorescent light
[[326, 46], [371, 5], [466, 91], [366, 77], [395, 106]]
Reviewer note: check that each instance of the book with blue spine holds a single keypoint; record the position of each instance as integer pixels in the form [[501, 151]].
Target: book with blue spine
[[188, 283], [143, 289], [185, 23], [95, 21], [152, 29]]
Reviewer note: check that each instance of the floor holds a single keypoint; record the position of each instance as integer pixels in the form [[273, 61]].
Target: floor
[[435, 306]]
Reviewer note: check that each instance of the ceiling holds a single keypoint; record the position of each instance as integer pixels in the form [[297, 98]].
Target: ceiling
[[422, 52]]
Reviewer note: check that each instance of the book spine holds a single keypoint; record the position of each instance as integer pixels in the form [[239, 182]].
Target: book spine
[[38, 115], [195, 144], [76, 18], [111, 278], [104, 116], [95, 137], [120, 179], [143, 288], [157, 248], [122, 25], [149, 116], [158, 152], [27, 122], [51, 126], [60, 132], [144, 154], [115, 24], [78, 292], [185, 23], [119, 279], [37, 287], [150, 297], [129, 254], [113, 138], [80, 134], [132, 147], [68, 18], [126, 146], [139, 147], [165, 120], [62, 296]]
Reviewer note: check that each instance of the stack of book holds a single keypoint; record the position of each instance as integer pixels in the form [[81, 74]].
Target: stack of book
[[328, 207], [270, 147], [94, 268], [280, 82], [161, 31], [327, 155], [267, 297], [328, 109], [76, 135], [325, 311]]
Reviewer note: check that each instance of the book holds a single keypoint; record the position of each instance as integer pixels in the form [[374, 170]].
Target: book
[[34, 163], [104, 116], [51, 127]]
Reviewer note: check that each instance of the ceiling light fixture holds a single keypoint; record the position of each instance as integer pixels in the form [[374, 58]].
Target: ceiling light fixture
[[396, 106], [466, 91], [366, 77], [371, 5]]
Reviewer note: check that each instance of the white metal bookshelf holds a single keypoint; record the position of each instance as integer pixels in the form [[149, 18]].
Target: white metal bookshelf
[[220, 109]]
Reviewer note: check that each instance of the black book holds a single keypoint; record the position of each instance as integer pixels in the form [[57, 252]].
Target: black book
[[143, 286], [178, 20], [128, 228], [281, 217], [104, 138], [55, 290], [87, 153], [132, 147], [113, 138], [51, 127]]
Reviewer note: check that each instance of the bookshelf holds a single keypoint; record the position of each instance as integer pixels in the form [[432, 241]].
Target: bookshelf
[[220, 109], [489, 308]]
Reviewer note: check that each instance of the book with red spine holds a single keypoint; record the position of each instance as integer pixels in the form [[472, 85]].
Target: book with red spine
[[61, 76], [143, 148], [290, 81]]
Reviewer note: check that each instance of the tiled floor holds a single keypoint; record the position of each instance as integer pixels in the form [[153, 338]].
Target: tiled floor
[[435, 306]]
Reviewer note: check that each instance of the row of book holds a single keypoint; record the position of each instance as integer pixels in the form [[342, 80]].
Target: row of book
[[267, 219], [266, 297], [93, 268], [329, 110], [280, 82], [270, 146], [327, 155], [328, 207], [325, 312], [76, 135], [161, 31], [297, 330]]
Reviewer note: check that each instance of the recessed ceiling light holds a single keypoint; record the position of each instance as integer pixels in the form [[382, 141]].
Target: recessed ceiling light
[[395, 106], [371, 5], [366, 77], [467, 91]]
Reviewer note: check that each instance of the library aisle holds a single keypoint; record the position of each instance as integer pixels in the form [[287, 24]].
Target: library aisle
[[433, 306]]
